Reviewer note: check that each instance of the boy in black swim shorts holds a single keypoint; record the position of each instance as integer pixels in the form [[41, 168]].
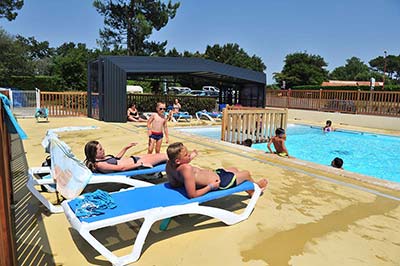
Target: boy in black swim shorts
[[227, 179], [157, 127], [198, 181]]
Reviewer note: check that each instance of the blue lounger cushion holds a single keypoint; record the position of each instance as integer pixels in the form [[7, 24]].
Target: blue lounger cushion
[[152, 203], [144, 171], [156, 196]]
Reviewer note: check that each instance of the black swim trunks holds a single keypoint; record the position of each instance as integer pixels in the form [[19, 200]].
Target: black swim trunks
[[228, 179], [156, 135]]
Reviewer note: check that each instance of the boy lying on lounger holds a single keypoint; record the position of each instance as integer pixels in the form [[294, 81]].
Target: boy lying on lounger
[[97, 161], [198, 181]]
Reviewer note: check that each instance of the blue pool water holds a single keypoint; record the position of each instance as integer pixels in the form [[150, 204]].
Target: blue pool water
[[369, 154]]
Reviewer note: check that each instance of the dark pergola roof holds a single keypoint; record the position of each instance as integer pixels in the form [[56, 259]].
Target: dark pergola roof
[[107, 80], [186, 65]]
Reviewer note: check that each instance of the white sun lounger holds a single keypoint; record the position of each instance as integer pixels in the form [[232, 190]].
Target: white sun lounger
[[209, 115], [176, 117], [153, 203], [48, 181], [74, 175]]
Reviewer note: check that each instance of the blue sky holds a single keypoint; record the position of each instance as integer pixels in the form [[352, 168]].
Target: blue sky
[[270, 29]]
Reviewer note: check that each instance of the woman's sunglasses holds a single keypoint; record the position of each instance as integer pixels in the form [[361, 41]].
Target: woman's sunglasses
[[162, 108]]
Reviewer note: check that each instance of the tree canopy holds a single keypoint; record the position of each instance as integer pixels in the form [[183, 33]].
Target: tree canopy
[[13, 57], [131, 22], [232, 54], [354, 69], [302, 69], [8, 8], [229, 53], [392, 65]]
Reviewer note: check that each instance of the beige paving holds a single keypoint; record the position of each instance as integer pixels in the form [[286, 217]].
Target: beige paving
[[301, 219]]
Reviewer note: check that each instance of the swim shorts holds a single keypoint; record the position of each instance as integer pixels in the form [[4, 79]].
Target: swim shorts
[[228, 179], [156, 135]]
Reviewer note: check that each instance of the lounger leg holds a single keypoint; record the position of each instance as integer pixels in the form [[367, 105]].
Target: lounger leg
[[124, 260], [164, 224], [139, 242]]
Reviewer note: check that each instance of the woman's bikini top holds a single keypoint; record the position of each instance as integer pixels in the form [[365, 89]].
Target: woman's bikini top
[[114, 160], [111, 159], [133, 113]]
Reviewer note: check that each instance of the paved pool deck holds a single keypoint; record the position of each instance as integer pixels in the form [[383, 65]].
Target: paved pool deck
[[309, 214]]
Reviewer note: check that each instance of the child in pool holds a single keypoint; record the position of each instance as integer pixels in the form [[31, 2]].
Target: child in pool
[[328, 126], [198, 181], [279, 143], [337, 163]]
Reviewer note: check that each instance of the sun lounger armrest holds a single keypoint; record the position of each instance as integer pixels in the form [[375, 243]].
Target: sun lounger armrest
[[98, 179], [39, 170]]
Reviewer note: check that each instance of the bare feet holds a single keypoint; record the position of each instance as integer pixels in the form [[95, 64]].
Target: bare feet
[[262, 183]]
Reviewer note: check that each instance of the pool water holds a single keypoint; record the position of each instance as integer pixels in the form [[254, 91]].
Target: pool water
[[369, 154]]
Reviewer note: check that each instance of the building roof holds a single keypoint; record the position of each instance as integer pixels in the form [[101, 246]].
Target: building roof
[[186, 65]]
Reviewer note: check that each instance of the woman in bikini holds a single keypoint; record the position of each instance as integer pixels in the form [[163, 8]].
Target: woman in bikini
[[97, 161], [133, 114]]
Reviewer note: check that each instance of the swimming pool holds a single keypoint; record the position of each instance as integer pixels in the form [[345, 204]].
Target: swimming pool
[[369, 154]]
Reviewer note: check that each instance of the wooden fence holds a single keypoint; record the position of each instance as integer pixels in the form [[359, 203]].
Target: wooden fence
[[383, 103], [257, 124], [7, 237], [64, 103], [75, 103]]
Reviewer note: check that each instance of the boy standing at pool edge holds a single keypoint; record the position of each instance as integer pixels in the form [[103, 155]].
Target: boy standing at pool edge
[[156, 125], [279, 143], [198, 181]]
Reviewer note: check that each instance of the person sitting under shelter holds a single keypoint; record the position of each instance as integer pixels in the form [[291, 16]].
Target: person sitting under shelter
[[97, 161], [133, 114]]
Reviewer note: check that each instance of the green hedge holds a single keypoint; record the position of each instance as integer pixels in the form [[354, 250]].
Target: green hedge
[[347, 88], [191, 104], [47, 83]]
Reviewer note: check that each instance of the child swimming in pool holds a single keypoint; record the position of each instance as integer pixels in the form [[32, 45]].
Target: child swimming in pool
[[279, 143], [198, 181], [337, 163], [328, 126]]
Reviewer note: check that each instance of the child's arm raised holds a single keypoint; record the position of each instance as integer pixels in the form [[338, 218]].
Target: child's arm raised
[[193, 154], [124, 149]]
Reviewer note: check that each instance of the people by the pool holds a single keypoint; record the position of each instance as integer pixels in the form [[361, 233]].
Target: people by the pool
[[97, 161], [279, 143], [337, 163], [328, 126], [199, 181]]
